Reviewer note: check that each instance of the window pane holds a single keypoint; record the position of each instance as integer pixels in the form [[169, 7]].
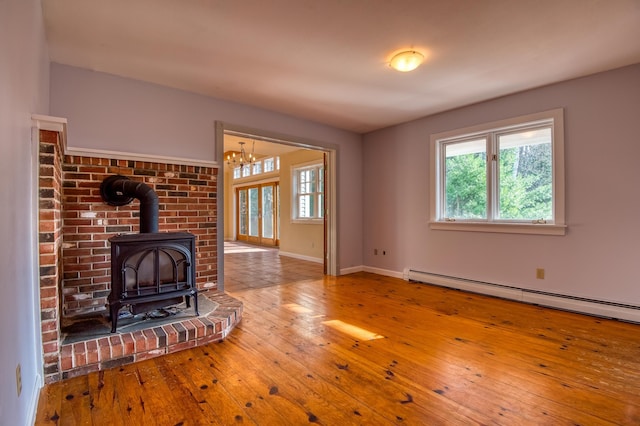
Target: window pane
[[304, 206], [246, 171], [526, 175], [307, 181], [242, 207], [253, 212], [236, 172], [303, 180], [257, 168], [465, 178], [267, 212], [268, 165], [312, 206], [312, 180]]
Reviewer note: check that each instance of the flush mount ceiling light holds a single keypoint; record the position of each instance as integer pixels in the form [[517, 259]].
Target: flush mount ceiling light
[[406, 61]]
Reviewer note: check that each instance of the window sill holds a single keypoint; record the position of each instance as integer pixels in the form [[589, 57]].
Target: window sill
[[505, 228]]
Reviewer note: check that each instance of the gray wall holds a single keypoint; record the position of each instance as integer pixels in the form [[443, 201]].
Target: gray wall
[[24, 89], [111, 113], [598, 256]]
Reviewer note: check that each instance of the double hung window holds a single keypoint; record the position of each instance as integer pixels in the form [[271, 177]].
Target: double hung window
[[308, 190]]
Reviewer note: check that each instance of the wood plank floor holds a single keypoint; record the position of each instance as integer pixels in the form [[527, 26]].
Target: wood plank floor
[[248, 266], [373, 350]]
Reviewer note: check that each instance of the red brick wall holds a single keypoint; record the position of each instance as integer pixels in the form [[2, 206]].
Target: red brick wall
[[187, 198], [75, 225], [50, 248]]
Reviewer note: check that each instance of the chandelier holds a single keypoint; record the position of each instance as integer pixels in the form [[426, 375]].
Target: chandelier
[[242, 158]]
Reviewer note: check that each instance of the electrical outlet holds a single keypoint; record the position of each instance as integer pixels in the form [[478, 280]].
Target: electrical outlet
[[384, 252], [540, 273], [375, 252], [19, 379]]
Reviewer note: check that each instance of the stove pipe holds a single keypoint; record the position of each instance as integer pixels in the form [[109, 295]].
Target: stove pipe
[[119, 190]]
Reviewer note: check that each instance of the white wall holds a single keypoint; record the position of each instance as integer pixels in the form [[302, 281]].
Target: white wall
[[24, 89], [112, 113], [598, 256]]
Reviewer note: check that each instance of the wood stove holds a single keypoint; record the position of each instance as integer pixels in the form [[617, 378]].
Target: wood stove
[[152, 269]]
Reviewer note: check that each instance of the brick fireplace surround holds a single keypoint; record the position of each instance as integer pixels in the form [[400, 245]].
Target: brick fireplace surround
[[74, 253]]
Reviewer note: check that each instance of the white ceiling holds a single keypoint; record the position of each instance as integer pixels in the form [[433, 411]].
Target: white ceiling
[[326, 60]]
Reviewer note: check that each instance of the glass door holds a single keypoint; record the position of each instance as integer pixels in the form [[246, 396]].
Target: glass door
[[258, 214]]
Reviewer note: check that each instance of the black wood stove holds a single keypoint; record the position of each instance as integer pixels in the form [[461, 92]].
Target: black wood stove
[[150, 270]]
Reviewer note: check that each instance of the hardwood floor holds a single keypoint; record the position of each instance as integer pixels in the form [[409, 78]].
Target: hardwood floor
[[247, 266], [368, 349]]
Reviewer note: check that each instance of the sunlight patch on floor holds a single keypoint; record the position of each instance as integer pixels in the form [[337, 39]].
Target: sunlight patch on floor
[[352, 330], [297, 308], [237, 248]]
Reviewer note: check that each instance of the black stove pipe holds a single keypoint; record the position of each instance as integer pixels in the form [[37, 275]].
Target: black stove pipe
[[120, 190]]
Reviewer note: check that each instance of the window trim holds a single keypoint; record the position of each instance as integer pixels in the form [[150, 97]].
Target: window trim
[[294, 181], [556, 227]]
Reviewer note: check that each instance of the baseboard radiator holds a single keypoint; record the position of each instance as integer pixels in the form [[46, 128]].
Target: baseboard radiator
[[559, 301]]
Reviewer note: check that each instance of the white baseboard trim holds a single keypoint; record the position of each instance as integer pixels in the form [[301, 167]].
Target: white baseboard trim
[[385, 272], [33, 400], [569, 303], [351, 270], [301, 257]]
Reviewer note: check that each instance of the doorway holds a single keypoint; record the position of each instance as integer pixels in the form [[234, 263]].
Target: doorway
[[249, 223]]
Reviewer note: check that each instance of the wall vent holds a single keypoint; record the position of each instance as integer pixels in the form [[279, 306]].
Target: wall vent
[[570, 303]]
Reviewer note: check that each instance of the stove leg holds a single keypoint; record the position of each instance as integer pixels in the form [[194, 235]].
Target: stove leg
[[195, 303], [113, 312]]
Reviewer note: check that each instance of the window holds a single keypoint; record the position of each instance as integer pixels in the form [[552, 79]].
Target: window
[[308, 190], [268, 165], [257, 168], [505, 176]]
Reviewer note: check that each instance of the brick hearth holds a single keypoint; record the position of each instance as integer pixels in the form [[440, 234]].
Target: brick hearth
[[94, 354]]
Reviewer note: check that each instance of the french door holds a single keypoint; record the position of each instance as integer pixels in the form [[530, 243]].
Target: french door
[[258, 214]]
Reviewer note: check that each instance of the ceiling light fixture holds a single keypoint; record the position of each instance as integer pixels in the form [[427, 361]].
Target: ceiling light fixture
[[242, 158], [406, 61]]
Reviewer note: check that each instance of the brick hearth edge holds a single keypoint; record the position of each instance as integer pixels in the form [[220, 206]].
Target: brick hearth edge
[[87, 356]]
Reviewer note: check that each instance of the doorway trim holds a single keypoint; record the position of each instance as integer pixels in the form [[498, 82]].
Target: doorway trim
[[331, 229]]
